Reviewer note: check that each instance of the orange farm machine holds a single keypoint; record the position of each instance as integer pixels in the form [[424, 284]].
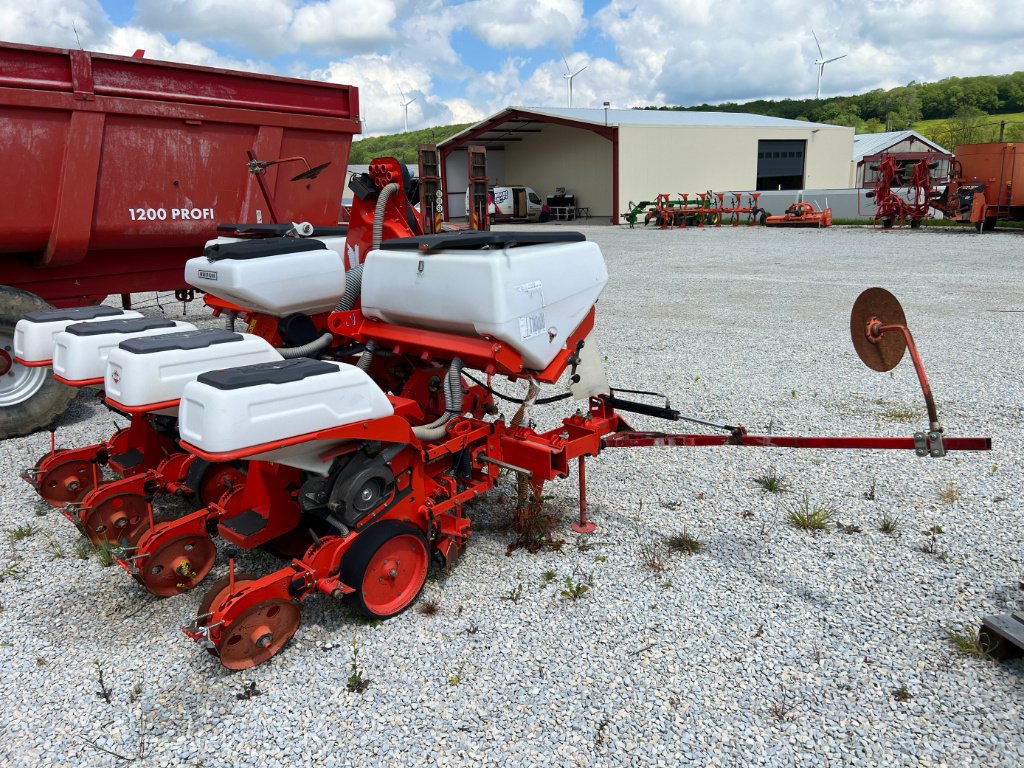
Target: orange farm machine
[[350, 424], [801, 214], [988, 185]]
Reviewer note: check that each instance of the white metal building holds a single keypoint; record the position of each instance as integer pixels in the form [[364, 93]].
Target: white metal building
[[609, 157]]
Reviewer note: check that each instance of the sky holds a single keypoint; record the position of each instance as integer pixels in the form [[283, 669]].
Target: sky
[[458, 61]]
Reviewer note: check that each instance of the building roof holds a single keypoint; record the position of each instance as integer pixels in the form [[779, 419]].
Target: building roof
[[670, 117], [504, 125], [866, 144]]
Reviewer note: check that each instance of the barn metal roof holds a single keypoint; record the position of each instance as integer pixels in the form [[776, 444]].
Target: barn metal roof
[[866, 144], [511, 123]]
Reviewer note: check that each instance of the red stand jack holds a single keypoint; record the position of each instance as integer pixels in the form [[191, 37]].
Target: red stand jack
[[583, 525]]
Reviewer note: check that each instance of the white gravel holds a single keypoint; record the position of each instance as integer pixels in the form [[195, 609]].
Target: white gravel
[[770, 646]]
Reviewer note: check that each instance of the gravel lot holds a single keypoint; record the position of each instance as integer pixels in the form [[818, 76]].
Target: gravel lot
[[770, 646]]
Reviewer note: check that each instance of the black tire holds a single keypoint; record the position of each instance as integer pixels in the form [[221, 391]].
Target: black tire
[[985, 226], [30, 398], [915, 223], [358, 558], [763, 218], [886, 223]]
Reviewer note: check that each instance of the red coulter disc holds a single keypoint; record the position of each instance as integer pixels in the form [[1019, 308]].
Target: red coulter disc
[[395, 574], [65, 482], [177, 565], [120, 519], [878, 306], [257, 633]]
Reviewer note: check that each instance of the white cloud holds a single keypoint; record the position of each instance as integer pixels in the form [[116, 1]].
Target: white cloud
[[381, 80], [505, 24], [53, 22], [260, 26], [352, 25]]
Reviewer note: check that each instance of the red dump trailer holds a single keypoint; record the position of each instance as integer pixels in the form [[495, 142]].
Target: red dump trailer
[[117, 169]]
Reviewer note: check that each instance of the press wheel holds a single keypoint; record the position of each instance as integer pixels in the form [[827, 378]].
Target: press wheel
[[388, 567], [177, 565], [874, 307], [209, 481], [257, 633], [118, 519], [66, 482]]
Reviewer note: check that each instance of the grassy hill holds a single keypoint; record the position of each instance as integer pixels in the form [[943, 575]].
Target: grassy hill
[[401, 146], [950, 131]]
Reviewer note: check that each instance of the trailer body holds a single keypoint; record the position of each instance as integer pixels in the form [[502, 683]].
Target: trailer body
[[117, 169]]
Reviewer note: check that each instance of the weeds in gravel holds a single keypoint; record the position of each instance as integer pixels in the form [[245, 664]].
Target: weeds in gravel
[[772, 482], [949, 494], [889, 523], [810, 517], [429, 607], [651, 554], [248, 691], [104, 692], [599, 737], [902, 693], [514, 594], [683, 542], [869, 494], [105, 554], [968, 642], [9, 571], [848, 528], [534, 525], [357, 681], [574, 590], [21, 532], [83, 548], [548, 576], [56, 550], [782, 710]]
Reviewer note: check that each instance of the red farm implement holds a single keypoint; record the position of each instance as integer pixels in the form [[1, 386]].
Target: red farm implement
[[355, 444], [704, 209], [903, 194], [801, 214]]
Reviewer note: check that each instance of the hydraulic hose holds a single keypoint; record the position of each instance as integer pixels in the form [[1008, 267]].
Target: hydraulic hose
[[307, 350], [429, 433], [378, 214]]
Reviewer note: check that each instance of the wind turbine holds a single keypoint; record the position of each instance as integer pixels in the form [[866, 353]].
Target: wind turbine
[[569, 75], [405, 106], [820, 64]]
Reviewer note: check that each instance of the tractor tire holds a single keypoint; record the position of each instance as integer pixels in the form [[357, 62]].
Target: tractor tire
[[30, 398], [915, 223], [763, 218], [985, 226], [886, 223]]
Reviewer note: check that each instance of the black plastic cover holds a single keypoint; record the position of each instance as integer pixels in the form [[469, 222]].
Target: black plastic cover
[[201, 339], [476, 240], [262, 248], [278, 372], [72, 313], [281, 229], [127, 325]]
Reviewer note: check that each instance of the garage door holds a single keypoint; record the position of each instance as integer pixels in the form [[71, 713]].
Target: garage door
[[780, 164]]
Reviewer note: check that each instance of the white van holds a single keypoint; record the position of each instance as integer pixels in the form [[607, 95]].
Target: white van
[[515, 203]]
